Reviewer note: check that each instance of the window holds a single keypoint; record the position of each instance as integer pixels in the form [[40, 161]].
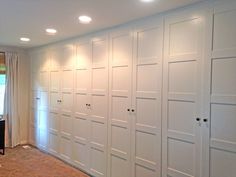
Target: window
[[2, 81]]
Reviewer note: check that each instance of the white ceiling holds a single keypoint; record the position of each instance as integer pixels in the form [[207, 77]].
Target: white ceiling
[[30, 18]]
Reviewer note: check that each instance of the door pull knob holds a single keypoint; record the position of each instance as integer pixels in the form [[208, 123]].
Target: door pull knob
[[205, 120]]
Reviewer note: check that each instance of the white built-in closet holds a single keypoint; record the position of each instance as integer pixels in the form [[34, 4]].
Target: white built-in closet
[[152, 98]]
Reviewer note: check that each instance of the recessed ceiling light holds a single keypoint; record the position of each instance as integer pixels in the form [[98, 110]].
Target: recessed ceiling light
[[25, 39], [85, 19], [51, 31], [146, 0]]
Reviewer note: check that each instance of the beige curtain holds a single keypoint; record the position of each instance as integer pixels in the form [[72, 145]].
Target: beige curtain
[[11, 101]]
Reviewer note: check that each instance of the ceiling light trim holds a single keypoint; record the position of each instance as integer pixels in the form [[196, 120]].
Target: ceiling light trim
[[51, 31], [25, 39], [84, 19]]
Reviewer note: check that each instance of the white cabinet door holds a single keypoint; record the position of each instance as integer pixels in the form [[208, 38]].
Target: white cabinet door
[[121, 45], [44, 60], [81, 129], [40, 84], [66, 100], [61, 101], [99, 107], [54, 104], [91, 106], [182, 94], [146, 104], [52, 91], [222, 101]]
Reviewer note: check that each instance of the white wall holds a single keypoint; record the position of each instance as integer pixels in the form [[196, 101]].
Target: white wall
[[23, 92]]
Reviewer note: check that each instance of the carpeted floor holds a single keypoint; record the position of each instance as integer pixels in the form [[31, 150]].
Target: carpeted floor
[[20, 162]]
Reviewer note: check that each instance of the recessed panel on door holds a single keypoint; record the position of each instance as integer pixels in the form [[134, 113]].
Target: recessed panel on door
[[80, 154], [81, 81], [98, 134], [68, 56], [67, 103], [54, 122], [80, 129], [99, 79], [35, 99], [65, 148], [54, 101], [183, 37], [81, 109], [42, 128], [54, 143], [83, 55], [141, 171], [99, 53], [150, 44], [66, 126], [35, 81], [224, 44], [67, 81], [223, 77], [44, 60], [57, 58], [44, 100], [97, 162], [54, 80], [44, 81], [99, 107], [119, 166], [180, 150]]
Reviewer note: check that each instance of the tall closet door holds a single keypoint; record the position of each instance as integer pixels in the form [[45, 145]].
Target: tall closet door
[[66, 101], [98, 101], [40, 84], [44, 59], [182, 97], [222, 101], [146, 109], [81, 129], [54, 102], [35, 99], [121, 54]]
